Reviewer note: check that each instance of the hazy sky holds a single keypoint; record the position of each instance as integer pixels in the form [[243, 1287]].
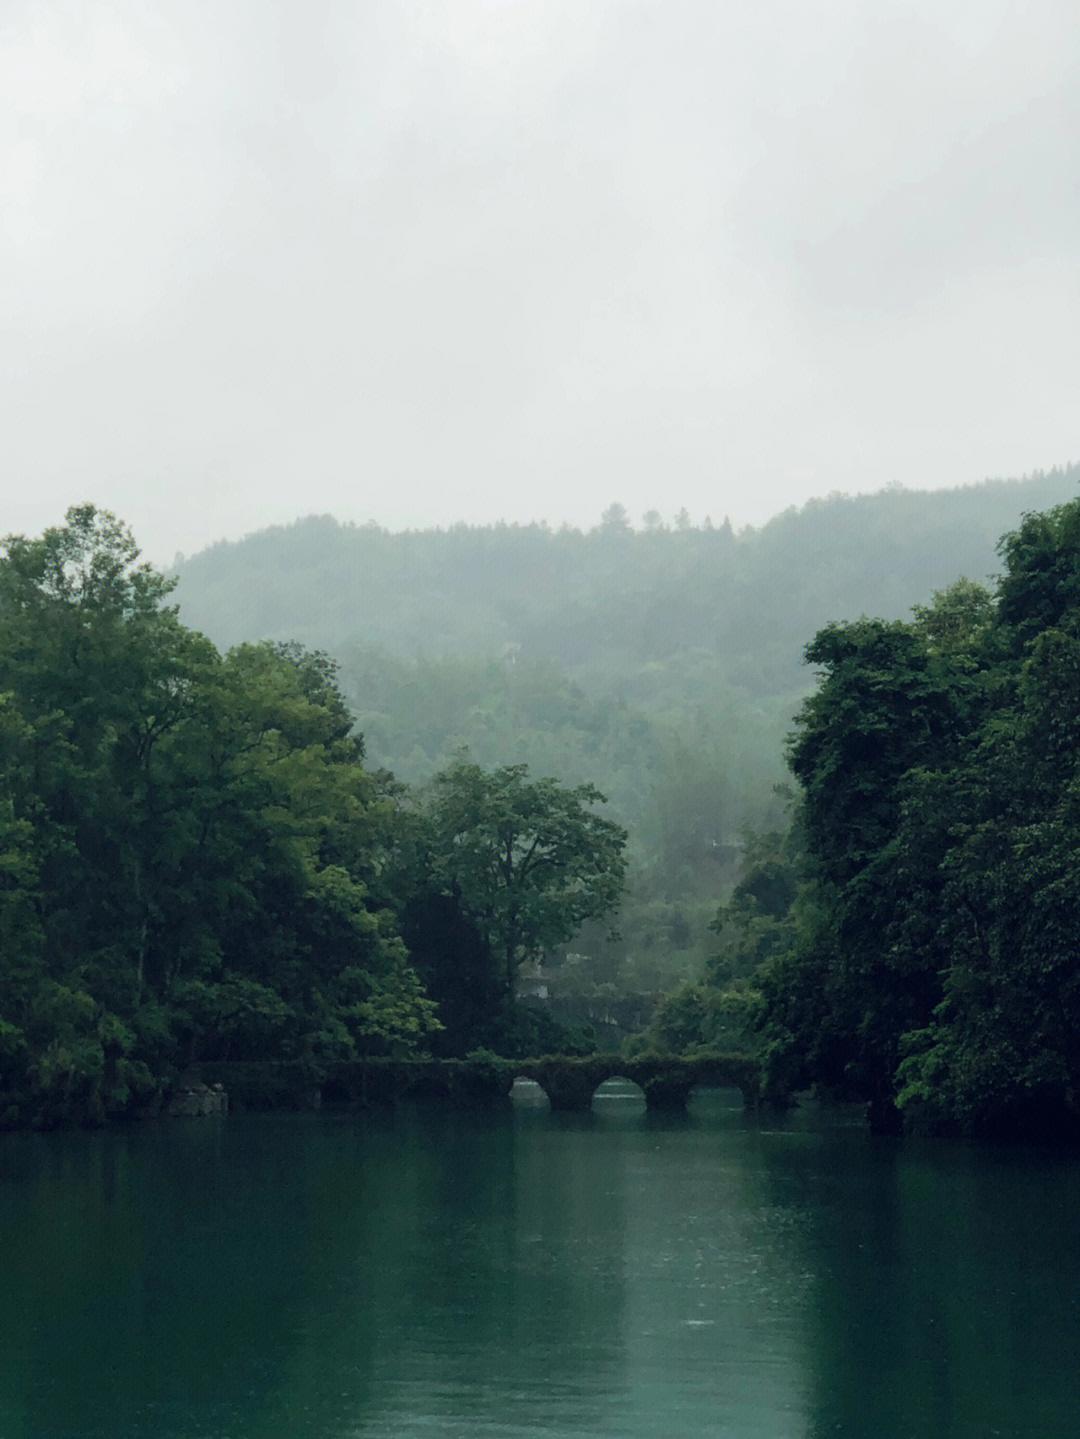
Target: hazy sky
[[480, 259]]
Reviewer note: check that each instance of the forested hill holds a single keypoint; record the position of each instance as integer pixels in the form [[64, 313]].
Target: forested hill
[[615, 593], [601, 655], [663, 663]]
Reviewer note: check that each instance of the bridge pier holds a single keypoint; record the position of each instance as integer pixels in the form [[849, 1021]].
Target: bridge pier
[[667, 1092], [569, 1084]]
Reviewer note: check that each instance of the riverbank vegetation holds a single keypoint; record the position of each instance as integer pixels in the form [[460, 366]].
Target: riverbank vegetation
[[201, 861], [196, 865], [921, 908]]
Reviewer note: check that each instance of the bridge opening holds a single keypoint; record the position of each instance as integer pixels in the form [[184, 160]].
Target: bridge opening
[[705, 1099], [618, 1095], [528, 1094]]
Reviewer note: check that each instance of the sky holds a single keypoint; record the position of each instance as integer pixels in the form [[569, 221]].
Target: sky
[[430, 261]]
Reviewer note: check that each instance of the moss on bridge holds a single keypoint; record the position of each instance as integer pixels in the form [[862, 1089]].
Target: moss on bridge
[[570, 1082]]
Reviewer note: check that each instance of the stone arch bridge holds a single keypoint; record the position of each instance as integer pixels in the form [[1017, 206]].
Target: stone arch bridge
[[569, 1082], [666, 1081]]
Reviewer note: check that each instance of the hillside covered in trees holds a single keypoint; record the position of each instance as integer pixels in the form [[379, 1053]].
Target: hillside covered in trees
[[663, 663], [615, 593]]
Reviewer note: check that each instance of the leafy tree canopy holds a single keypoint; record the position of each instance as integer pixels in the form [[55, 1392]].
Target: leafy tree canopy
[[190, 847], [529, 860], [935, 965]]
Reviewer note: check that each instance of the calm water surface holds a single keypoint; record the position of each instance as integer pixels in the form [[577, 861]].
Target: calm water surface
[[521, 1273]]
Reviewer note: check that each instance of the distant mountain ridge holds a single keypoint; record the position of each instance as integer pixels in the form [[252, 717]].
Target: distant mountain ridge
[[568, 594]]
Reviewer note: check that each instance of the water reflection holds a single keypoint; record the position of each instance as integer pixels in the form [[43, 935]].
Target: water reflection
[[524, 1272], [616, 1098], [945, 1274]]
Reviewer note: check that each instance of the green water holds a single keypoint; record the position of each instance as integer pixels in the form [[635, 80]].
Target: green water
[[437, 1274]]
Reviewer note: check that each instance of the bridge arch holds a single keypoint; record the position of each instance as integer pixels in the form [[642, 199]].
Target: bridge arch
[[528, 1093], [619, 1086], [665, 1080], [713, 1093]]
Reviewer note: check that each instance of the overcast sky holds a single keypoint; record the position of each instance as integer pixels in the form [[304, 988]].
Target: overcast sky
[[480, 259]]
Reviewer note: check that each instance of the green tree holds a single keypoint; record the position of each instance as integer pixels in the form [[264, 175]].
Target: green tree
[[191, 851], [935, 967], [894, 703], [1000, 1052], [527, 860]]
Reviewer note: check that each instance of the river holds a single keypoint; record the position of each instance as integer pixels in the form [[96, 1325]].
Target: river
[[528, 1275]]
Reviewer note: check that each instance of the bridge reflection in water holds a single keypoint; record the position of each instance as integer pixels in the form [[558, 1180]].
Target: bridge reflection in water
[[613, 1096]]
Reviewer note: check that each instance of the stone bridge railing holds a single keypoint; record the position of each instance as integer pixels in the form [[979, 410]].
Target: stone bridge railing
[[568, 1081]]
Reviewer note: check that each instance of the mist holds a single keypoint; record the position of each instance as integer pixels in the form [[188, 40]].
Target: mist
[[429, 263]]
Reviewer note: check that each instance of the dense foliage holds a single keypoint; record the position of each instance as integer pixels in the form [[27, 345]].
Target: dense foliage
[[936, 968], [496, 870], [195, 863], [662, 663], [529, 861]]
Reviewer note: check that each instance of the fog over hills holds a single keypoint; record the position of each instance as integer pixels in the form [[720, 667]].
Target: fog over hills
[[663, 663], [530, 384], [644, 591]]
